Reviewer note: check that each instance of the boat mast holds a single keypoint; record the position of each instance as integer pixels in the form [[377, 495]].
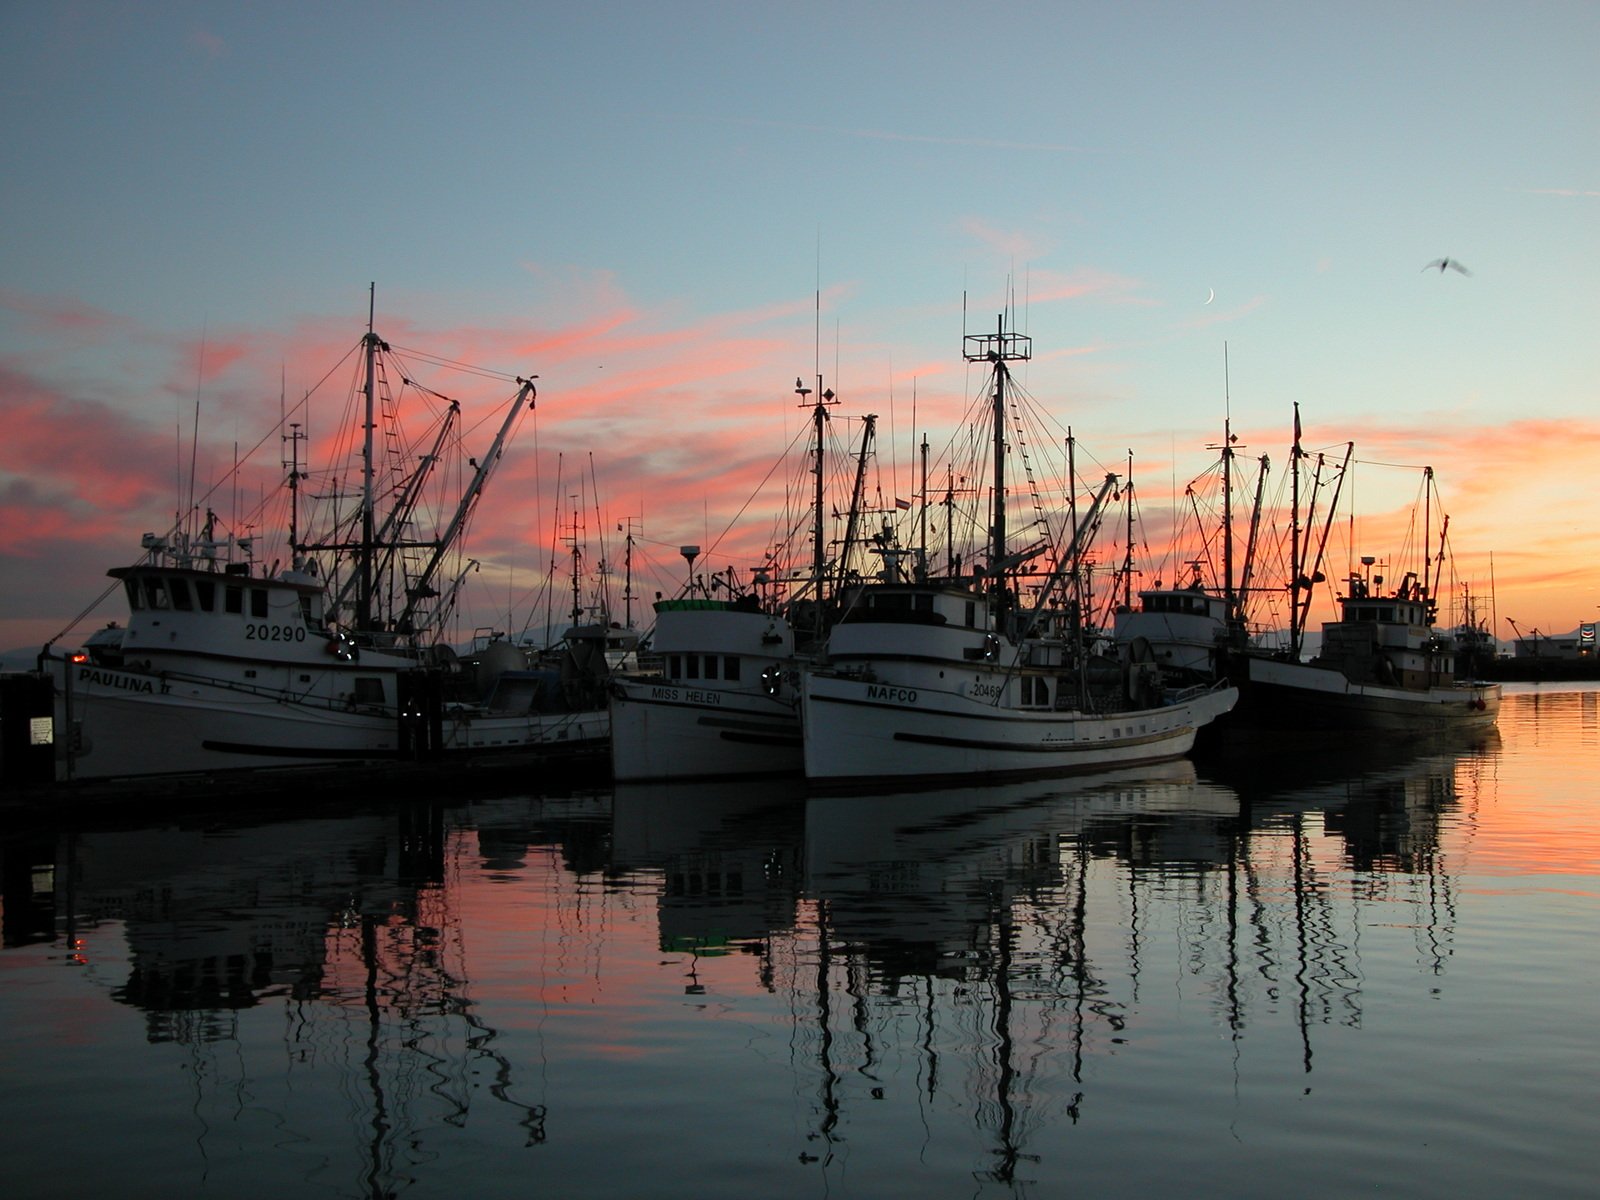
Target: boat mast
[[922, 518], [1076, 596], [627, 577], [1427, 532], [1229, 597], [364, 557], [1236, 609], [422, 588], [294, 438], [857, 496], [1227, 514], [998, 348], [1295, 572], [1127, 557], [819, 419]]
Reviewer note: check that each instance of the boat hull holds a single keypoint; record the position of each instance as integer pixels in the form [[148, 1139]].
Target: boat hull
[[1288, 695], [861, 733], [130, 724], [663, 730]]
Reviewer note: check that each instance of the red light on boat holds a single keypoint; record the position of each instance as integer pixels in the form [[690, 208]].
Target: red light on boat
[[79, 657]]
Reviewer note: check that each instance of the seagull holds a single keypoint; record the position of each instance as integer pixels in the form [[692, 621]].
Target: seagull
[[1442, 263]]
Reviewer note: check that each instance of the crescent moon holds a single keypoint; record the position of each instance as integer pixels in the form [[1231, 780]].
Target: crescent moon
[[1211, 295]]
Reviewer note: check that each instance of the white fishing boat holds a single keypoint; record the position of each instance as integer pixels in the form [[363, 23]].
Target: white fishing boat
[[1184, 630], [1193, 629], [226, 663], [722, 700], [955, 676]]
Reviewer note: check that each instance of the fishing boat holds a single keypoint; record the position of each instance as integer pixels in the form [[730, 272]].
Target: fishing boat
[[227, 663], [722, 699], [1193, 628], [959, 676], [722, 703], [1383, 665]]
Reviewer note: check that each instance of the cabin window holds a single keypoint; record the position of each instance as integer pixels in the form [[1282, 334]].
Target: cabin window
[[180, 596], [711, 666], [258, 602], [305, 608], [369, 690], [155, 594], [730, 667], [205, 594], [135, 596], [924, 603], [233, 598], [674, 667], [692, 661], [972, 614]]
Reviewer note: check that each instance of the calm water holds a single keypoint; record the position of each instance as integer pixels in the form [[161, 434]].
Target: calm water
[[1324, 974]]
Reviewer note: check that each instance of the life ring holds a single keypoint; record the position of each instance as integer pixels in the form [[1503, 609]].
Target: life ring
[[772, 679], [343, 647], [991, 647]]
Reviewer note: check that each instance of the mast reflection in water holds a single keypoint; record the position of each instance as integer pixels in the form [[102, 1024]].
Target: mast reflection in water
[[1306, 971]]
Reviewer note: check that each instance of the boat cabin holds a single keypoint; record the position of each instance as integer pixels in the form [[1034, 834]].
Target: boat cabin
[[913, 604], [182, 610], [1388, 640]]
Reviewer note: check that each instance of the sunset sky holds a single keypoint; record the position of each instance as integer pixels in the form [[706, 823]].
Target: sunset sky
[[646, 204]]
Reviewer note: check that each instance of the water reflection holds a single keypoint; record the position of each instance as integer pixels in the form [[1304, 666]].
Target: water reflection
[[727, 857], [967, 973]]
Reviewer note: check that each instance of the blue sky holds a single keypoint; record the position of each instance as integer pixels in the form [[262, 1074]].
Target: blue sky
[[658, 190]]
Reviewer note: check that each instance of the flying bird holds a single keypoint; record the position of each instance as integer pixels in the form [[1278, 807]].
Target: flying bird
[[1442, 263]]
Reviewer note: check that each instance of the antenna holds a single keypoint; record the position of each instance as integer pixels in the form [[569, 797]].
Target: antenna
[[690, 553]]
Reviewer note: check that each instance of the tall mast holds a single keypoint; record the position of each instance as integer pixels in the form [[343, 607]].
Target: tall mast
[[1236, 611], [1127, 558], [1427, 531], [1296, 570], [627, 577], [998, 348], [819, 419], [922, 518], [1077, 564], [857, 495], [364, 558], [1227, 487]]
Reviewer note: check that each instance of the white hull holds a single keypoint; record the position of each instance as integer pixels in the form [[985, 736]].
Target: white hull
[[1299, 695], [126, 723], [861, 733], [663, 730]]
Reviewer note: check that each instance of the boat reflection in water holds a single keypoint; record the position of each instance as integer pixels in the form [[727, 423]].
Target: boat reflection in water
[[346, 924], [918, 988], [727, 856], [1000, 944]]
